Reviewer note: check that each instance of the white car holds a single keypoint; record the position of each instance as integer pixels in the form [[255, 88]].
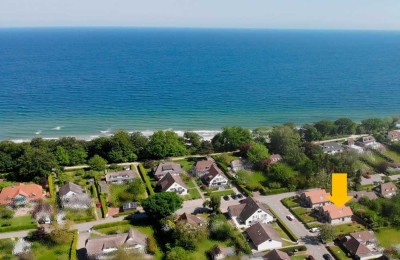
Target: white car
[[290, 217], [314, 230]]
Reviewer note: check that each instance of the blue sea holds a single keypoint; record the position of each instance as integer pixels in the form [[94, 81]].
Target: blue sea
[[88, 82]]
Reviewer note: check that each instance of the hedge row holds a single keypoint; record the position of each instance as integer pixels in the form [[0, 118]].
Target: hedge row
[[111, 224], [383, 156], [104, 209], [74, 245], [294, 249], [126, 213], [275, 191], [146, 180], [18, 228], [52, 190], [285, 228]]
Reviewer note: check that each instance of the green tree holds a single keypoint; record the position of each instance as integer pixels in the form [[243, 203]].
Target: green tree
[[283, 174], [163, 204], [310, 133], [214, 203], [61, 234], [193, 142], [97, 163], [220, 229], [139, 142], [121, 148], [35, 163], [187, 235], [327, 233], [206, 148], [62, 156], [325, 127], [178, 253], [165, 144], [231, 138], [257, 153], [345, 126], [373, 125], [284, 139], [137, 189]]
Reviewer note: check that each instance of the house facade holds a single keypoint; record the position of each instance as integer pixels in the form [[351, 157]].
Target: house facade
[[264, 237], [202, 167], [335, 215], [394, 135], [249, 212], [173, 183], [103, 247], [73, 196], [386, 190], [215, 178], [362, 245], [21, 194], [315, 198]]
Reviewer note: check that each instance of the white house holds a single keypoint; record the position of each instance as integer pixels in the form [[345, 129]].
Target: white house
[[249, 212], [215, 178], [264, 237], [173, 183], [73, 196]]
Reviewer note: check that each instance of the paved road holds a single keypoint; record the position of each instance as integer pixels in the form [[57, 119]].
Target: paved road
[[374, 178], [310, 240]]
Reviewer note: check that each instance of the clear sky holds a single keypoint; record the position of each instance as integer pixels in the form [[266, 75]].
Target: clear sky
[[308, 14]]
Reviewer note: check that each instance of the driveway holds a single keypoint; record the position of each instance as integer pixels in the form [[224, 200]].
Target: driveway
[[309, 239], [374, 178]]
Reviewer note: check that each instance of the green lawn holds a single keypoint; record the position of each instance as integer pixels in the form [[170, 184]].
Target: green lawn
[[388, 237], [222, 193], [304, 215], [6, 247], [203, 247], [392, 154], [338, 253], [256, 179], [299, 257], [80, 215], [51, 251], [291, 202], [186, 165], [194, 194], [144, 228], [17, 221], [348, 228]]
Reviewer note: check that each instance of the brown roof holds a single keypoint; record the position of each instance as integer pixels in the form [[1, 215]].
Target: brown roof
[[70, 187], [204, 165], [317, 195], [276, 255], [251, 207], [30, 191], [191, 219], [212, 173], [168, 167], [362, 194], [274, 158], [260, 232], [356, 243], [387, 188], [235, 210], [96, 245], [168, 180], [334, 212], [225, 251]]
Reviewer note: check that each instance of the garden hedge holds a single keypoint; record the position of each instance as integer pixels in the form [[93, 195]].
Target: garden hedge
[[52, 190], [18, 228], [285, 228], [74, 245], [146, 180], [111, 224]]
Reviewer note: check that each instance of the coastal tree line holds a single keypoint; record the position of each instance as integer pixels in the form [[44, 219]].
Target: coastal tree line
[[31, 161]]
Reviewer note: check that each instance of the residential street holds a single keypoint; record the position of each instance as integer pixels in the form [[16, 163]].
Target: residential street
[[310, 240]]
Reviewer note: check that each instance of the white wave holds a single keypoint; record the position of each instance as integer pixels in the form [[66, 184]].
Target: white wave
[[57, 128], [38, 132], [106, 131]]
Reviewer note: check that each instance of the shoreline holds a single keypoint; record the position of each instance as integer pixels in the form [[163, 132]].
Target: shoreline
[[207, 135]]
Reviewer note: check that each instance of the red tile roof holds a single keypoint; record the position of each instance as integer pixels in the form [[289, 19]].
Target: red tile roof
[[317, 195], [30, 191], [335, 212]]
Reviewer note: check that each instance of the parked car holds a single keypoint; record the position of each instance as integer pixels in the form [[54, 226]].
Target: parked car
[[233, 196], [314, 230], [239, 196], [226, 197], [327, 257], [290, 217]]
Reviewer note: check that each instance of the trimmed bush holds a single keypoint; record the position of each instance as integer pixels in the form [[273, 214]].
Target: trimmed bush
[[74, 245], [112, 224], [294, 249], [18, 228], [151, 246], [52, 189], [146, 179]]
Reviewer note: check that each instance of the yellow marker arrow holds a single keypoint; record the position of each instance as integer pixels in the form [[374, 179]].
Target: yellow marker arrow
[[339, 190]]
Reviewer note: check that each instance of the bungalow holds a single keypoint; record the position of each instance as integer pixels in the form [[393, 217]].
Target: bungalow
[[332, 148], [264, 237], [386, 190], [357, 195], [249, 212], [315, 198], [173, 183], [221, 252], [163, 168], [103, 246], [276, 255], [394, 135], [237, 165], [21, 194], [121, 177], [215, 178], [336, 216], [202, 167], [191, 219], [274, 158], [362, 245], [73, 196]]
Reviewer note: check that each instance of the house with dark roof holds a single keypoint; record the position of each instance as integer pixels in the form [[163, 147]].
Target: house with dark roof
[[394, 135], [315, 198], [274, 158], [21, 194], [357, 195], [173, 183], [331, 148], [202, 167], [103, 247], [73, 196], [43, 212], [120, 177], [362, 245], [168, 167], [220, 252], [386, 190], [191, 219], [335, 215], [250, 211], [276, 255], [215, 178], [264, 237]]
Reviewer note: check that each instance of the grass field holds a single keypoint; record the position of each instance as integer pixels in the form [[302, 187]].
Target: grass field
[[388, 237], [6, 247], [299, 257], [222, 193], [17, 221], [51, 251], [348, 228], [204, 246], [186, 165], [338, 253], [392, 154]]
